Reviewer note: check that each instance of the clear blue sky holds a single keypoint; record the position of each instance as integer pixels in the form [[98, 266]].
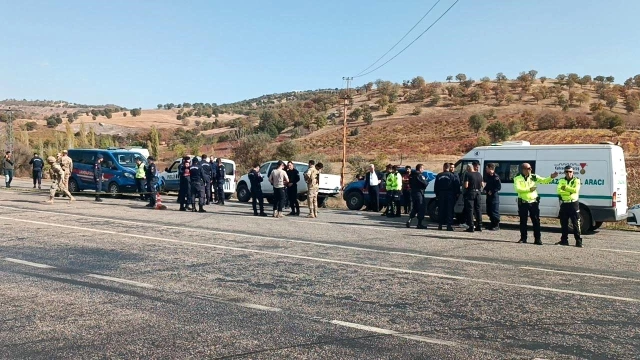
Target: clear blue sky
[[141, 53]]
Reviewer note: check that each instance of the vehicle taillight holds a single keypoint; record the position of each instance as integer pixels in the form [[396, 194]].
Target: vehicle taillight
[[613, 199]]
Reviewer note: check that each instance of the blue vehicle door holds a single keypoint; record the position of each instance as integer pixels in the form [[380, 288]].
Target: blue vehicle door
[[172, 178]]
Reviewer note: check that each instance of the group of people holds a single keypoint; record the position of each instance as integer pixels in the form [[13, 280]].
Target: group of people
[[285, 188], [201, 178]]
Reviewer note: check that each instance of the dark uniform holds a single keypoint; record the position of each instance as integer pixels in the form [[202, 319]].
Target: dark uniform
[[418, 184], [37, 166], [568, 194], [492, 188], [255, 178], [207, 172], [292, 191], [197, 185], [152, 180], [446, 189], [472, 201], [219, 173], [184, 194], [97, 176]]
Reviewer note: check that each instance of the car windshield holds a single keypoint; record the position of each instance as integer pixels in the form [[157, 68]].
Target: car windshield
[[128, 159]]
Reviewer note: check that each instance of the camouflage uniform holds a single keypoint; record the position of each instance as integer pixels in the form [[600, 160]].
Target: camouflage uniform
[[57, 177], [67, 166], [311, 177]]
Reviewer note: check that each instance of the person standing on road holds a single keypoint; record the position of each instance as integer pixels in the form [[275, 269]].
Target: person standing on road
[[207, 172], [372, 182], [445, 188], [406, 190], [418, 184], [197, 186], [568, 192], [184, 194], [255, 180], [393, 184], [525, 185], [36, 170], [472, 185], [492, 188], [152, 180], [7, 168], [140, 177], [57, 176], [278, 178], [311, 177], [67, 165], [292, 189], [97, 176], [219, 175]]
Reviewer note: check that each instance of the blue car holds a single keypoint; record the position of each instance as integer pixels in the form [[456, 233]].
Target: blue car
[[118, 168], [356, 197]]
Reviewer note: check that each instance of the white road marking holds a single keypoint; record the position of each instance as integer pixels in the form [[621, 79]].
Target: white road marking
[[122, 281], [362, 226], [243, 304], [579, 273], [347, 263], [616, 250], [392, 332], [259, 307], [29, 263]]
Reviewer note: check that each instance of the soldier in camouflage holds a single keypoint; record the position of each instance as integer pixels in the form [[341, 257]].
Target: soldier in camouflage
[[57, 177]]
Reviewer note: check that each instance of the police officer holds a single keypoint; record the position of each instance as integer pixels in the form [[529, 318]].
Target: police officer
[[472, 184], [37, 165], [184, 193], [568, 192], [446, 188], [97, 176], [152, 180], [255, 180], [492, 188], [394, 188], [292, 189], [418, 183], [197, 186], [207, 172], [57, 176], [529, 201], [219, 174]]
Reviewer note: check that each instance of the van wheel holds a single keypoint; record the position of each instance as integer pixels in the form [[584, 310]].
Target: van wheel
[[586, 225], [597, 225], [355, 200], [114, 190], [73, 186], [432, 210], [243, 193]]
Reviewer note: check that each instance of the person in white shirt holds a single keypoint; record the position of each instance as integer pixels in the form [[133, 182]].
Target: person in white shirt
[[279, 179], [372, 185]]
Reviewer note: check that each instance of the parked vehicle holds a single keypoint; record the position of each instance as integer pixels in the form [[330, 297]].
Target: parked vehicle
[[600, 167], [329, 184], [118, 167], [634, 215], [356, 196], [172, 180]]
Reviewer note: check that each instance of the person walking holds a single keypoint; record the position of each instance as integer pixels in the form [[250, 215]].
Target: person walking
[[67, 165], [492, 188], [278, 178], [207, 173], [472, 185], [292, 189], [446, 188], [57, 176], [406, 190], [36, 170], [184, 193], [311, 177], [525, 185], [98, 176], [197, 186], [7, 168], [372, 181], [569, 192], [418, 183], [219, 176], [150, 174], [257, 198], [140, 177]]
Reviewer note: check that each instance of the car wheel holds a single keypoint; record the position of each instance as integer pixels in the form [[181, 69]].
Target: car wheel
[[243, 194], [322, 202], [73, 186], [597, 225], [303, 197], [355, 200], [114, 190], [433, 211]]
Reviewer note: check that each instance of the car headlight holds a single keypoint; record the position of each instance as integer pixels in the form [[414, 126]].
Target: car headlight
[[128, 175]]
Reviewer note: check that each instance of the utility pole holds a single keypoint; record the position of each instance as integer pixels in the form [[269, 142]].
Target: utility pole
[[345, 99], [10, 130]]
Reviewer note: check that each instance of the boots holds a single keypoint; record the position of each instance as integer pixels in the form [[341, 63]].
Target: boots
[[71, 199], [275, 213], [98, 199], [420, 225], [201, 209], [408, 224]]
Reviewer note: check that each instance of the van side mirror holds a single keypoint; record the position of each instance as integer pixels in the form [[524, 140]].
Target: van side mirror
[[166, 169]]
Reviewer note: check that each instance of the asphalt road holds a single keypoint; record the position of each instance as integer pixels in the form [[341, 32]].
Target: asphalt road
[[117, 280]]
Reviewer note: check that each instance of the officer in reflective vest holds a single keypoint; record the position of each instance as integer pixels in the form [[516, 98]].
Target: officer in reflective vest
[[525, 185], [568, 192], [394, 187]]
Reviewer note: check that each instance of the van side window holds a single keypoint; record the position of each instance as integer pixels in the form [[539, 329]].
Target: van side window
[[174, 166], [87, 158], [509, 169]]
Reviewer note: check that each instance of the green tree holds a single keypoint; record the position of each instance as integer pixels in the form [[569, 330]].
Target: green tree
[[392, 109], [461, 77], [355, 114], [416, 110], [418, 82], [610, 99], [252, 149], [449, 78], [70, 137], [533, 74], [435, 99], [547, 121], [596, 106], [287, 150], [498, 131], [135, 112], [500, 77], [631, 102], [383, 101], [154, 142], [82, 134], [368, 118], [543, 79], [610, 79], [477, 122], [92, 137], [321, 121], [586, 80], [159, 106], [515, 126]]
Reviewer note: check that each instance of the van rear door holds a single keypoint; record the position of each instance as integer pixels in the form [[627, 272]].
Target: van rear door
[[230, 176], [619, 182]]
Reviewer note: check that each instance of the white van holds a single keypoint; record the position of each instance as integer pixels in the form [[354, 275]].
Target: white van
[[172, 179], [600, 168]]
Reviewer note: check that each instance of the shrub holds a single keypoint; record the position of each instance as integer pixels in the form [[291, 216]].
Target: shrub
[[618, 130], [392, 109], [583, 122], [547, 121], [498, 131], [287, 150], [253, 149], [515, 126], [416, 111], [482, 141], [354, 132]]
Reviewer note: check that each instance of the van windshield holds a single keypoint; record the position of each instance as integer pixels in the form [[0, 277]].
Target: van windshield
[[128, 159]]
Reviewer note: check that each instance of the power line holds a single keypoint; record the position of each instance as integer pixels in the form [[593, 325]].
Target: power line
[[399, 41], [411, 43]]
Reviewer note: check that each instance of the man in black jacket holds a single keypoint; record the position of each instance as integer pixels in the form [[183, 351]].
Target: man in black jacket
[[197, 186], [446, 188], [150, 175], [418, 183], [207, 173], [292, 189], [255, 179], [219, 173], [492, 188], [37, 166], [372, 182], [184, 194], [97, 176]]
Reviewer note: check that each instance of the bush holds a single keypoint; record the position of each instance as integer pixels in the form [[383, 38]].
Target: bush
[[30, 125], [416, 111], [51, 122], [253, 149], [94, 117], [498, 131], [515, 126], [618, 130], [354, 132], [392, 109], [287, 150], [482, 141], [368, 118], [583, 122], [124, 114], [477, 122], [605, 120], [186, 122], [547, 121]]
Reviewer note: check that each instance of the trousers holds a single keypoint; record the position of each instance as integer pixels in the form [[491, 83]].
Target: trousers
[[220, 193], [493, 209], [570, 211], [313, 202], [531, 210], [417, 206], [257, 201], [37, 177], [292, 195], [446, 204], [151, 189], [472, 208], [197, 189], [278, 199], [184, 194], [207, 190]]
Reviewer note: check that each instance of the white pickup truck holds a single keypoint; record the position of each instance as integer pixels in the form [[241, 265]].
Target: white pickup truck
[[329, 184], [634, 215]]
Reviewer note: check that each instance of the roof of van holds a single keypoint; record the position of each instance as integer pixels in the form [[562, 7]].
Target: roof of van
[[546, 147]]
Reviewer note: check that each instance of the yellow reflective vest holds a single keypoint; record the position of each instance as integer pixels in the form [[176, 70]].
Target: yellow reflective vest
[[571, 189], [523, 186], [140, 171], [393, 182]]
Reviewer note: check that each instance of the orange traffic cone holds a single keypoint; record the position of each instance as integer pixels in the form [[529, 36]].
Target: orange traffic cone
[[159, 205]]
